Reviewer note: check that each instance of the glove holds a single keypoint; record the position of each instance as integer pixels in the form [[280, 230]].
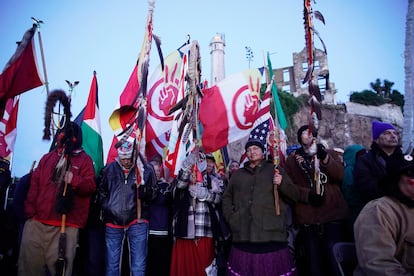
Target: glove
[[198, 192], [201, 193], [321, 153], [315, 200], [189, 161], [64, 204]]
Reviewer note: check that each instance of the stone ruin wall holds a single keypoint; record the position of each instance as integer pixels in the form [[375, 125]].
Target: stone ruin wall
[[341, 125]]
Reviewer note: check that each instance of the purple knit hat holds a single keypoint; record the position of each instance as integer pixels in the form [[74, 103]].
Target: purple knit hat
[[380, 127]]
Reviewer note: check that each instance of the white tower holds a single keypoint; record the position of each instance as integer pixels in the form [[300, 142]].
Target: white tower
[[217, 45]]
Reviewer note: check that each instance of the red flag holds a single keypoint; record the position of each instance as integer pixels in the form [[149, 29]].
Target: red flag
[[128, 119], [229, 109], [20, 73], [165, 89], [124, 113], [8, 130], [157, 146], [263, 129]]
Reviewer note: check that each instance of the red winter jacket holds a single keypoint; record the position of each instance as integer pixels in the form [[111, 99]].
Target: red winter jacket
[[41, 198]]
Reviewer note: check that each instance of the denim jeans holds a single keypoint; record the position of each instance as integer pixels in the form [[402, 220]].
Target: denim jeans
[[137, 235]]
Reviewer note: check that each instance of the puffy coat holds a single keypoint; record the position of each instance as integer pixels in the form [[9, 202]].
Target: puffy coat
[[42, 195]]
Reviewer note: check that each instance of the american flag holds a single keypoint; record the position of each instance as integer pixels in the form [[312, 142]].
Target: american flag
[[264, 122], [261, 131], [264, 125]]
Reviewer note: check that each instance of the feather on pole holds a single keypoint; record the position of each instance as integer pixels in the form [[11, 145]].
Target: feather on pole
[[53, 98], [310, 32], [189, 104], [142, 76], [141, 113], [65, 194], [313, 87], [185, 134]]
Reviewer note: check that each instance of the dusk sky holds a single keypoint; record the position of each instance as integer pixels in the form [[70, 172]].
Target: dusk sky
[[364, 40]]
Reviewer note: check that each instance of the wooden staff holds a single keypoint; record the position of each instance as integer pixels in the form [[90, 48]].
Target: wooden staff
[[61, 262], [276, 160], [274, 143], [316, 176]]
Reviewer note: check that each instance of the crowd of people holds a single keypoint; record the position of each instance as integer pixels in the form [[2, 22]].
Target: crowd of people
[[259, 218]]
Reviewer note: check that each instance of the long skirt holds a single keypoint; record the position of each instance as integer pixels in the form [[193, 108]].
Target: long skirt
[[191, 257], [278, 262]]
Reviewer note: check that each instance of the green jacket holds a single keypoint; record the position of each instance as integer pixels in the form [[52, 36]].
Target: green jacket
[[249, 206]]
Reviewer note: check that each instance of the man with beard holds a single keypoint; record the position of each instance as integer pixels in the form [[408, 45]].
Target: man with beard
[[321, 210], [371, 167]]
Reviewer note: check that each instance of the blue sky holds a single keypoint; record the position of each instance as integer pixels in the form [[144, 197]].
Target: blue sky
[[364, 40]]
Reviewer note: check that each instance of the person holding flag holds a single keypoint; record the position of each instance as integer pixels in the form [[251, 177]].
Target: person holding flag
[[119, 194], [321, 212], [259, 233], [195, 191], [57, 205]]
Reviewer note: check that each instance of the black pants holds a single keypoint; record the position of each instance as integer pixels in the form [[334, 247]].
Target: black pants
[[313, 248], [159, 255]]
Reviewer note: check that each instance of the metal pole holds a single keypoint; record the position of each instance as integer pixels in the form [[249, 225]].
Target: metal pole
[[249, 54]]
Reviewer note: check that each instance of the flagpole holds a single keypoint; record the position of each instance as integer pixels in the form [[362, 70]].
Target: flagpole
[[275, 140], [38, 22], [265, 67], [42, 55]]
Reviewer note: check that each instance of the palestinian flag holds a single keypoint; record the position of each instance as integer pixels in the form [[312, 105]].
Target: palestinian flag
[[90, 124]]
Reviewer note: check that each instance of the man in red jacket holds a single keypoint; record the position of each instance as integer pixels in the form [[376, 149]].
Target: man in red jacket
[[45, 206]]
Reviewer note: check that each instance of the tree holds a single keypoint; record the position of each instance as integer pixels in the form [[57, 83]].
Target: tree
[[382, 89], [377, 87], [381, 93], [366, 97], [387, 88]]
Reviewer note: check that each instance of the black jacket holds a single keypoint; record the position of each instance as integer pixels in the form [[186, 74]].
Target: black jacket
[[370, 169], [118, 194]]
